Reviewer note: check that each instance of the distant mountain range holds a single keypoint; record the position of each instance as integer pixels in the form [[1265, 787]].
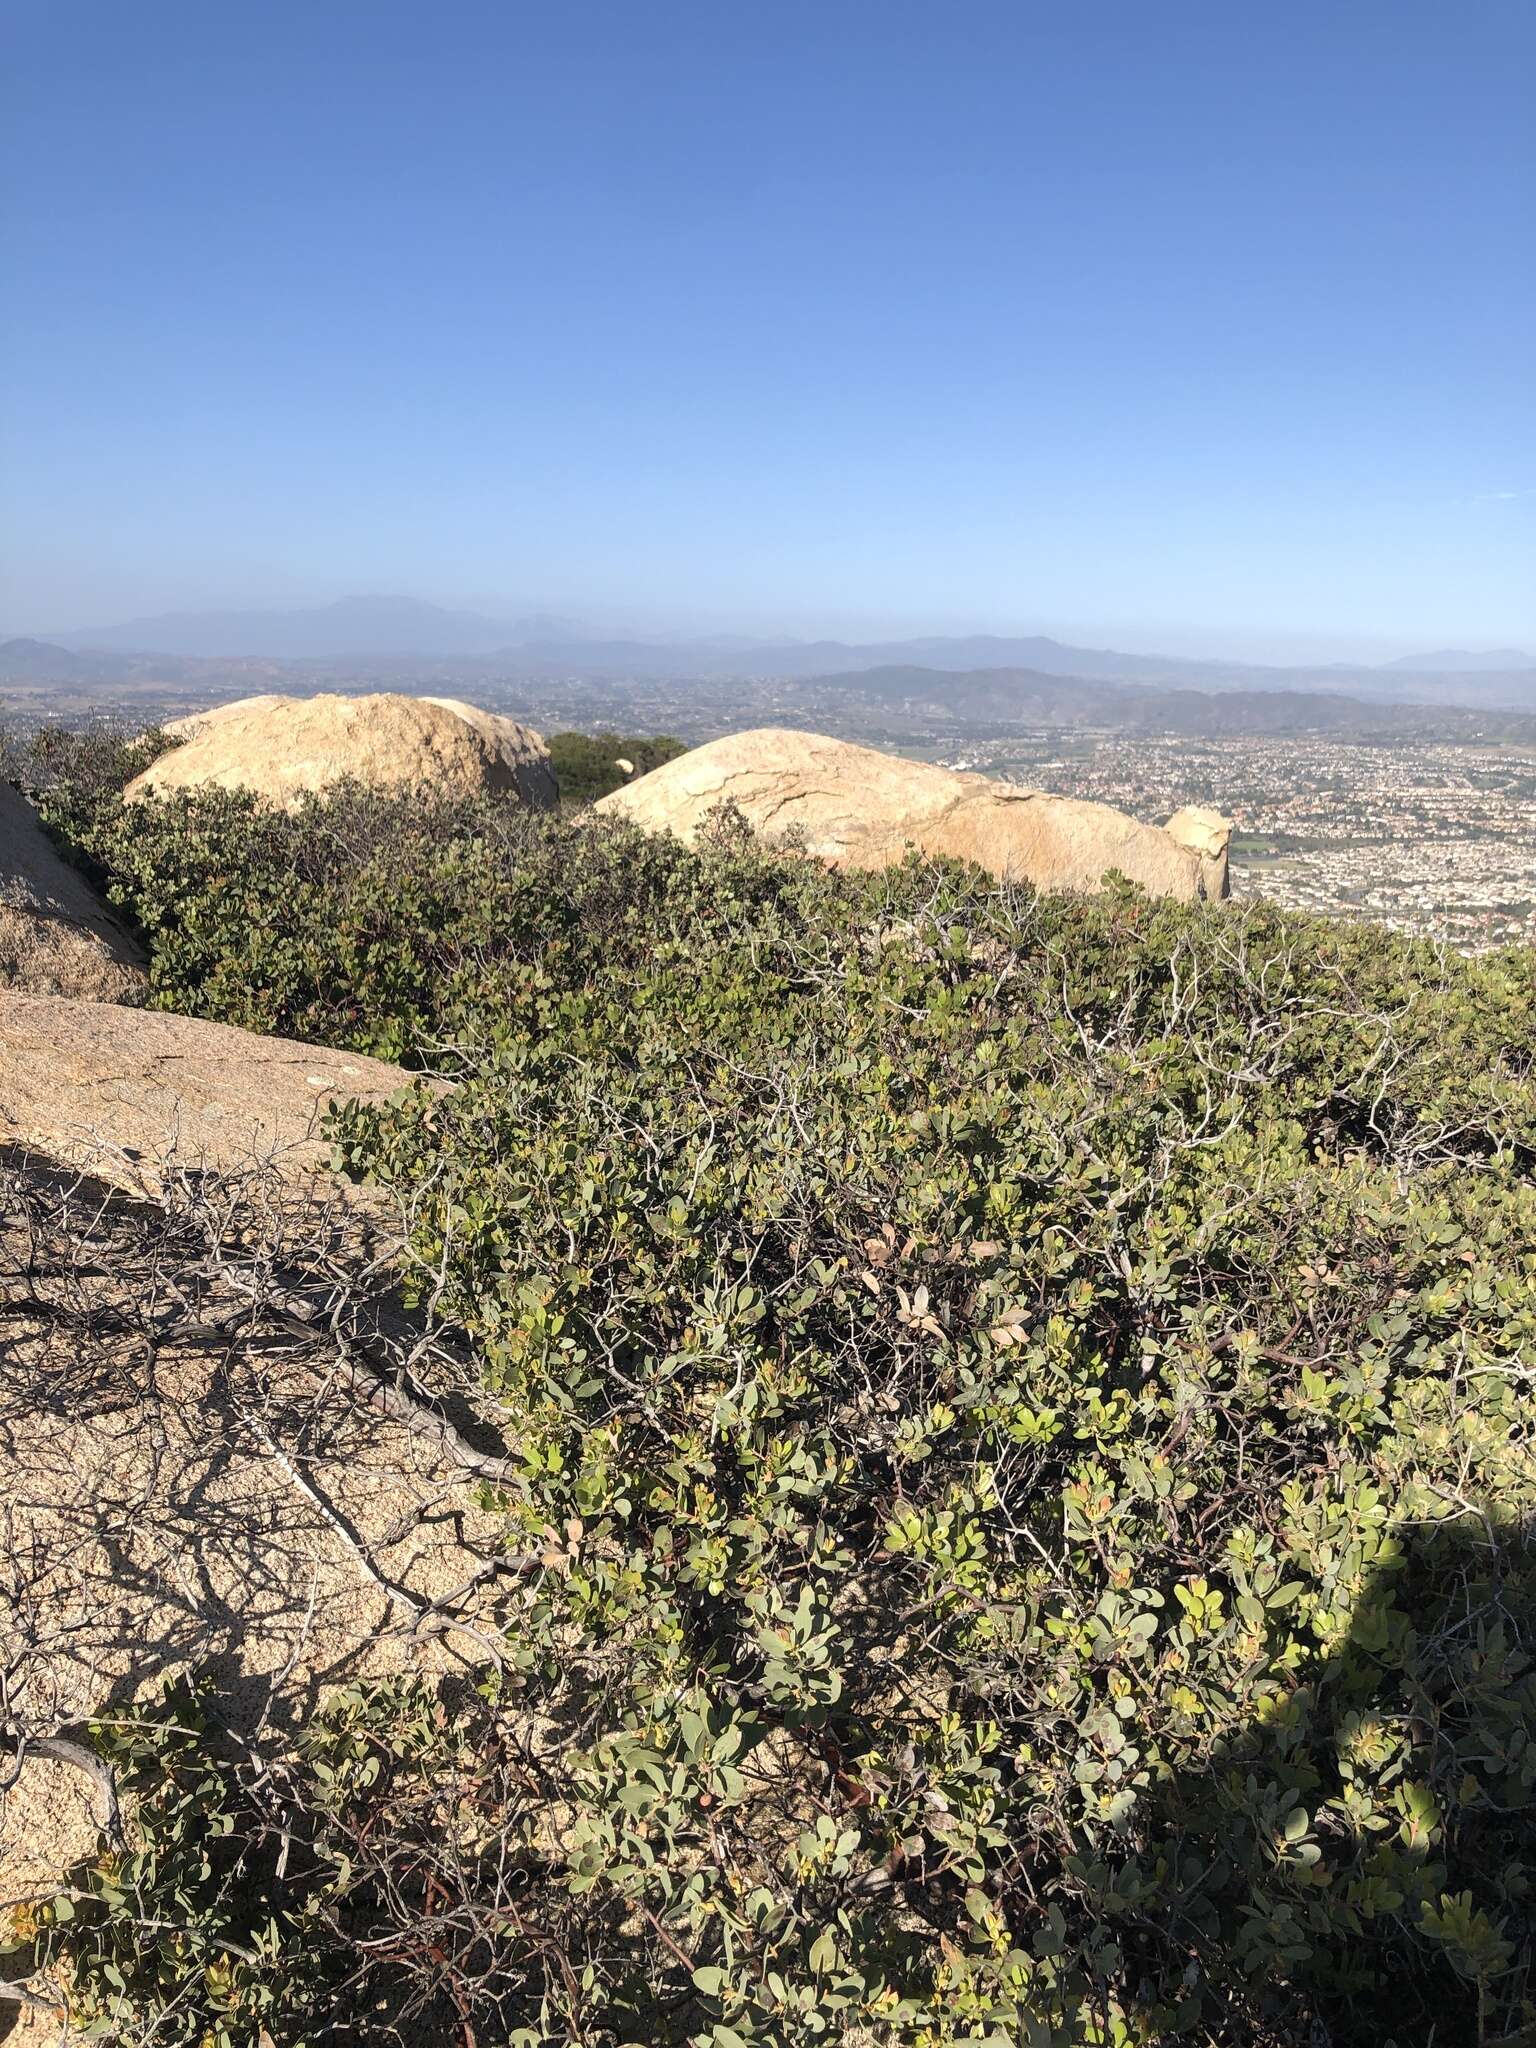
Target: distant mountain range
[[356, 635], [396, 627]]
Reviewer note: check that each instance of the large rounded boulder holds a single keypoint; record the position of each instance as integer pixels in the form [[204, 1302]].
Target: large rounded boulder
[[285, 748], [56, 939], [856, 807]]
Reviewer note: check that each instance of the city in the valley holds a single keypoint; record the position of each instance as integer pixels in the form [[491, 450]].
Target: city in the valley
[[1428, 836]]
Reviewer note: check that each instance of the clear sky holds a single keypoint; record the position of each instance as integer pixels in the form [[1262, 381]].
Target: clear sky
[[1201, 323]]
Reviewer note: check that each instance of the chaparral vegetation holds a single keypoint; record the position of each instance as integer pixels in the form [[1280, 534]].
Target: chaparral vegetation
[[1019, 1471]]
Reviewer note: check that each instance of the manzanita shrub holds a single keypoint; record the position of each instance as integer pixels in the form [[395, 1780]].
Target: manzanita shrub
[[587, 767], [1029, 1409], [1023, 1442], [382, 924]]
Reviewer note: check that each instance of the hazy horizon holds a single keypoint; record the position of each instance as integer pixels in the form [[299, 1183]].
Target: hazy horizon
[[1182, 330], [1186, 641]]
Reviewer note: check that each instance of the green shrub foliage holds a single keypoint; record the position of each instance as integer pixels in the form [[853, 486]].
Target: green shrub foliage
[[1022, 1424], [586, 764]]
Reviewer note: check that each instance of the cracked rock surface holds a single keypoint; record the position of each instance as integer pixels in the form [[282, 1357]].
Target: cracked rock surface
[[119, 1092]]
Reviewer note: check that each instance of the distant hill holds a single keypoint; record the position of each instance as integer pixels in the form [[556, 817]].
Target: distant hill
[[795, 661], [989, 650], [1458, 661], [1029, 698], [73, 671], [724, 656], [40, 661]]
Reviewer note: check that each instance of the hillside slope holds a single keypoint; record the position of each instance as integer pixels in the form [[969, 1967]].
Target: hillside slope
[[1017, 1510]]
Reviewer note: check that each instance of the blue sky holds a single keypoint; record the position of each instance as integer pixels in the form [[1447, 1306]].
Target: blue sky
[[1201, 325]]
